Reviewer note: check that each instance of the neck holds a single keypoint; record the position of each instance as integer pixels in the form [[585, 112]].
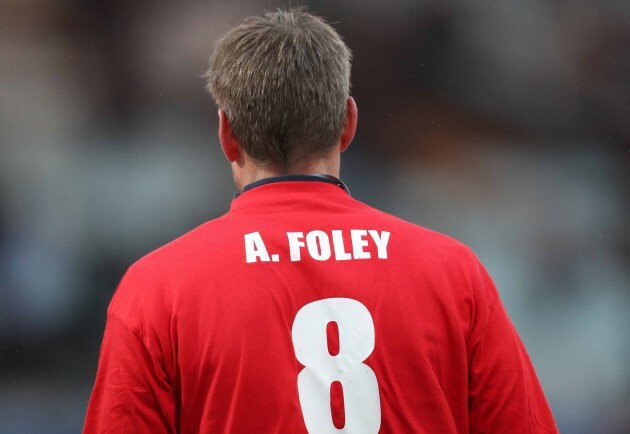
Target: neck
[[252, 171]]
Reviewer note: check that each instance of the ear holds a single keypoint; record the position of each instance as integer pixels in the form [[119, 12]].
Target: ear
[[229, 144], [351, 124]]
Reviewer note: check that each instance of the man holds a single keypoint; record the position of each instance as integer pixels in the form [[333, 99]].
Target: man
[[302, 310]]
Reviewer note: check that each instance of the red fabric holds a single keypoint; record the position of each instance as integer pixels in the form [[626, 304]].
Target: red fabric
[[199, 341]]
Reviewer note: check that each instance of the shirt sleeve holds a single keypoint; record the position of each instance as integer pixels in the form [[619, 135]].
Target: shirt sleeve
[[504, 392], [131, 392]]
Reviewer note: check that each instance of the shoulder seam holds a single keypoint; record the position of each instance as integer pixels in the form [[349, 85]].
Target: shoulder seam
[[137, 335]]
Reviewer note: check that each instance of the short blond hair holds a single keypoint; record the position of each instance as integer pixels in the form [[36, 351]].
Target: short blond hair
[[282, 79]]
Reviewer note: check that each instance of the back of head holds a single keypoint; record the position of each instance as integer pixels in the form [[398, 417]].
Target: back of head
[[282, 79]]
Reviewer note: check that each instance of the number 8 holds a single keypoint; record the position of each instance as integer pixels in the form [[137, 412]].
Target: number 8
[[356, 342]]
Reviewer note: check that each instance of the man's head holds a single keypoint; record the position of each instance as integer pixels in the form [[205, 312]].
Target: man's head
[[282, 84]]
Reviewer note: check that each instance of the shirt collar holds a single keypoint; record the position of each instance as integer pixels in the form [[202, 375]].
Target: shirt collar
[[316, 177]]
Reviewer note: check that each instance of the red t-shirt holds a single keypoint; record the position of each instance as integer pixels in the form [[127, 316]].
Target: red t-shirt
[[302, 310]]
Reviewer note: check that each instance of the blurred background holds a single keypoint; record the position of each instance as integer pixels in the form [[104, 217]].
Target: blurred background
[[505, 124]]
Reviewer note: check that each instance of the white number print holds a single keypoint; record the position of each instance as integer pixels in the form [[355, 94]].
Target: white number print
[[362, 405]]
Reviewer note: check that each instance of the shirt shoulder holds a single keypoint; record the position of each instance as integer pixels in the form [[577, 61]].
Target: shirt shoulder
[[442, 257], [146, 290], [421, 238]]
